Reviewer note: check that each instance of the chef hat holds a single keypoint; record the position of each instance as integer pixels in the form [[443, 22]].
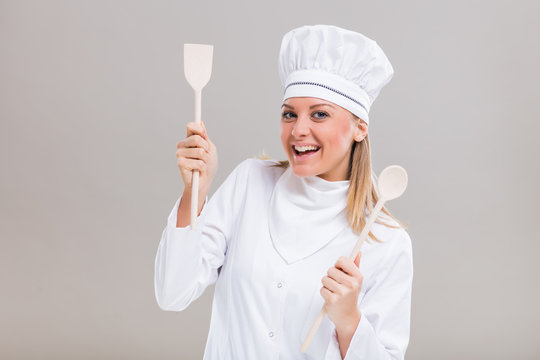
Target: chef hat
[[334, 64]]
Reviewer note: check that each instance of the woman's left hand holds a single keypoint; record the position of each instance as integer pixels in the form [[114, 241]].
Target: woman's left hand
[[341, 289]]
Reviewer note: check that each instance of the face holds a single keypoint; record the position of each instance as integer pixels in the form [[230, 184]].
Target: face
[[317, 136]]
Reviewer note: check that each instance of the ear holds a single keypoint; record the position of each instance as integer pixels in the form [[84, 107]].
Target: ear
[[360, 129]]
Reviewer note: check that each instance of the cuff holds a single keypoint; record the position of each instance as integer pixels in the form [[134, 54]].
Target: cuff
[[333, 347], [363, 329], [171, 220], [364, 343]]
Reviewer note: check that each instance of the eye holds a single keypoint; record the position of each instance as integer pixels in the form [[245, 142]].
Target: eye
[[288, 115], [319, 115]]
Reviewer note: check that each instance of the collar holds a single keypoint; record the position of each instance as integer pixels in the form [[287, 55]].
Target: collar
[[305, 214]]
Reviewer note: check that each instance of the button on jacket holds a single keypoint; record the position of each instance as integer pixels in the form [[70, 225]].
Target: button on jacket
[[264, 306]]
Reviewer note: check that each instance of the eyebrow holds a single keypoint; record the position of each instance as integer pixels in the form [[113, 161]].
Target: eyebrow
[[311, 107]]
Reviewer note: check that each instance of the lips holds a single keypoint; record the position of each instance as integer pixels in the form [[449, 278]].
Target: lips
[[300, 149], [304, 153], [300, 157]]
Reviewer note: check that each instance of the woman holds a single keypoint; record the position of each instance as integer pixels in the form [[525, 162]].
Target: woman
[[275, 237]]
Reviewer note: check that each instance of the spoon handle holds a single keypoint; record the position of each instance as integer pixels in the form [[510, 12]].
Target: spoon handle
[[365, 231], [363, 235]]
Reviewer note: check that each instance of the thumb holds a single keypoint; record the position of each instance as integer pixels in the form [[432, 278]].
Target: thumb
[[357, 259], [204, 130]]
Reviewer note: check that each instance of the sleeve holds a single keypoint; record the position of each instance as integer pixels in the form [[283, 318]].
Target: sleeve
[[187, 261], [384, 327]]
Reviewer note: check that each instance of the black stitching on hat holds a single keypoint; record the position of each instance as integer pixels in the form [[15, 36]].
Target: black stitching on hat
[[329, 88]]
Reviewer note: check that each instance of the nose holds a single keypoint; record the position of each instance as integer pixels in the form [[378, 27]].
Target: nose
[[301, 126]]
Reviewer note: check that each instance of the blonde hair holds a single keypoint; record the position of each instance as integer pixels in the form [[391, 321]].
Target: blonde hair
[[362, 196]]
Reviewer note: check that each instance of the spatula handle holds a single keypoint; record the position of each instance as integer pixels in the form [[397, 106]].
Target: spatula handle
[[194, 198], [195, 178]]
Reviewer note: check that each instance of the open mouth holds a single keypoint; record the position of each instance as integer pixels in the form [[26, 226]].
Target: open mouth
[[302, 151]]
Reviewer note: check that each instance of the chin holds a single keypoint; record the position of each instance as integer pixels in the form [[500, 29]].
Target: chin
[[302, 171]]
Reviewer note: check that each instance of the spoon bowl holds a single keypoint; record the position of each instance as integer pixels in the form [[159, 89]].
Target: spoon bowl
[[392, 182]]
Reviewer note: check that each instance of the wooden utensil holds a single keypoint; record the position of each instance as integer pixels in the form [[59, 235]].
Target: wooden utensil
[[391, 184], [197, 68]]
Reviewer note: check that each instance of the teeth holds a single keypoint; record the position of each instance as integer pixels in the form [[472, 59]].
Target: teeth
[[305, 148]]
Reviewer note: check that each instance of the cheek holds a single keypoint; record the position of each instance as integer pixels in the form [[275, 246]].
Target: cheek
[[284, 134], [340, 137]]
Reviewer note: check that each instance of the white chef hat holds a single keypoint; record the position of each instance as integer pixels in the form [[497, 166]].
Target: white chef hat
[[334, 64]]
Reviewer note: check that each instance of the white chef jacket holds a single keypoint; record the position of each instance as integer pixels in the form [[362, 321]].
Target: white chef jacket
[[263, 307]]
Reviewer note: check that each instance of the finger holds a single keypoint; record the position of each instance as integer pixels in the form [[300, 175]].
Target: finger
[[194, 153], [193, 141], [193, 164], [192, 128], [190, 141], [340, 277], [327, 295], [181, 143], [347, 265], [332, 285], [197, 141]]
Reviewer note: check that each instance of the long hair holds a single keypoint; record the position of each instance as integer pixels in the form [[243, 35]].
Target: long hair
[[362, 195]]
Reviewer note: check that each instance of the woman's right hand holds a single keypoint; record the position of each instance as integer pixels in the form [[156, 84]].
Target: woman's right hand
[[197, 152]]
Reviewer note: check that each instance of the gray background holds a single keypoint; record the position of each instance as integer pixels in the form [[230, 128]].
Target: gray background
[[93, 100]]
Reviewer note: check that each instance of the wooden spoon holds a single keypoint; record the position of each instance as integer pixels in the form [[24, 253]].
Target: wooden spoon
[[391, 184]]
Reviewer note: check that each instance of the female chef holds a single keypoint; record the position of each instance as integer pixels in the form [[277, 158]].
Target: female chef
[[276, 235]]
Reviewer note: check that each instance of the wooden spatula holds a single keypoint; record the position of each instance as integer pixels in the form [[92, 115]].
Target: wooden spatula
[[197, 68]]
